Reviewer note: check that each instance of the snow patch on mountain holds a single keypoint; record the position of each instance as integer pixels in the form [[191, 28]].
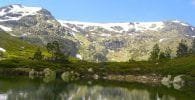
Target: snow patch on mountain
[[7, 29], [163, 39], [192, 28], [105, 35], [182, 23], [153, 26], [79, 56], [193, 36], [115, 27], [16, 12]]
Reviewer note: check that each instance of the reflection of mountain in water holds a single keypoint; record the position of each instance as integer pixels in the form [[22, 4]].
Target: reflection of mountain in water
[[81, 92], [104, 93]]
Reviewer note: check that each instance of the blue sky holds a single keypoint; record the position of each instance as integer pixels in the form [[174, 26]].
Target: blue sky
[[115, 10]]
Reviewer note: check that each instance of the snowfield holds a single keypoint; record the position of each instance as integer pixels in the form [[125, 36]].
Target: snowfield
[[137, 26], [20, 10], [7, 29]]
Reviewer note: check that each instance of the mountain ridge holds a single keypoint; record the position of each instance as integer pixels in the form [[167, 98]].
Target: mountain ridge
[[95, 41]]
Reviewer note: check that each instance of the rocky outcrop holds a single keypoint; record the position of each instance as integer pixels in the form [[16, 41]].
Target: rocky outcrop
[[177, 82]]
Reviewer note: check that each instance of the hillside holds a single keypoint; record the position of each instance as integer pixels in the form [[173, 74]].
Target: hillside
[[17, 48]]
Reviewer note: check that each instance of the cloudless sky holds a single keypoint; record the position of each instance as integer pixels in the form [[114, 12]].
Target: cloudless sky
[[115, 10]]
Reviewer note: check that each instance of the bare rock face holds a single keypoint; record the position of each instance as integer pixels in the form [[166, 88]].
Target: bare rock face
[[94, 41]]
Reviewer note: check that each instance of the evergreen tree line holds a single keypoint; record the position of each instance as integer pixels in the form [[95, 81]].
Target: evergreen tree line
[[55, 51], [182, 50], [155, 55]]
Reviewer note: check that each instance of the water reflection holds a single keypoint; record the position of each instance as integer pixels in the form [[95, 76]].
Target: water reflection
[[76, 92], [73, 91], [103, 93]]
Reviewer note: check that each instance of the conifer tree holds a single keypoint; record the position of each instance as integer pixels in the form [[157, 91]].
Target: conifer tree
[[57, 54], [154, 55], [182, 49], [38, 55], [162, 56], [167, 53]]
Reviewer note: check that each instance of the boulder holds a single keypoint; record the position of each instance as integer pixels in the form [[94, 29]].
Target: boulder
[[166, 81], [65, 76], [178, 82], [49, 75], [95, 76], [32, 74], [90, 70]]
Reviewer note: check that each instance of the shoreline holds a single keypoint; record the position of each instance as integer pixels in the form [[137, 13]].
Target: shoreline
[[140, 78]]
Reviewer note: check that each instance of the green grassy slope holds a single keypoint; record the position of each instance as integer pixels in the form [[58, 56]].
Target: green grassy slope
[[16, 48]]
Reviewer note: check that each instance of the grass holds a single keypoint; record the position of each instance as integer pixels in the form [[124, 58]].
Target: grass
[[173, 67], [16, 48]]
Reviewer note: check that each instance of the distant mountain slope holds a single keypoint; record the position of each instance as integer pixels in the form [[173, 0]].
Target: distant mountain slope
[[94, 41], [123, 41]]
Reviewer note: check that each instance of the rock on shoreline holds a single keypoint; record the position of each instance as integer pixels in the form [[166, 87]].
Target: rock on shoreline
[[177, 81], [155, 79]]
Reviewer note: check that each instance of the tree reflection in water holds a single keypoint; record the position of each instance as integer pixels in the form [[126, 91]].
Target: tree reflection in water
[[80, 92]]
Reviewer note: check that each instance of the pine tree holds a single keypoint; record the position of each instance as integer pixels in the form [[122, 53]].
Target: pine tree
[[154, 56], [182, 49], [162, 56], [50, 48], [167, 53], [57, 54], [38, 55]]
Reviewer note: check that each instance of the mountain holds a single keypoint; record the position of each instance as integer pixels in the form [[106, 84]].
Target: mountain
[[131, 40], [94, 41], [36, 25]]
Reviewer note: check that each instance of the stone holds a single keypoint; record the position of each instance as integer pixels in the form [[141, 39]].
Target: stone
[[49, 75], [166, 81], [95, 76], [90, 70], [32, 74], [178, 82], [65, 76]]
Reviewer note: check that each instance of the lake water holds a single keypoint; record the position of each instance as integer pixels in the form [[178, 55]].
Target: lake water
[[20, 88]]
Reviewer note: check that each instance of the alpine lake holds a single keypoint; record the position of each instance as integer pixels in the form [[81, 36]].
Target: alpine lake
[[25, 88]]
